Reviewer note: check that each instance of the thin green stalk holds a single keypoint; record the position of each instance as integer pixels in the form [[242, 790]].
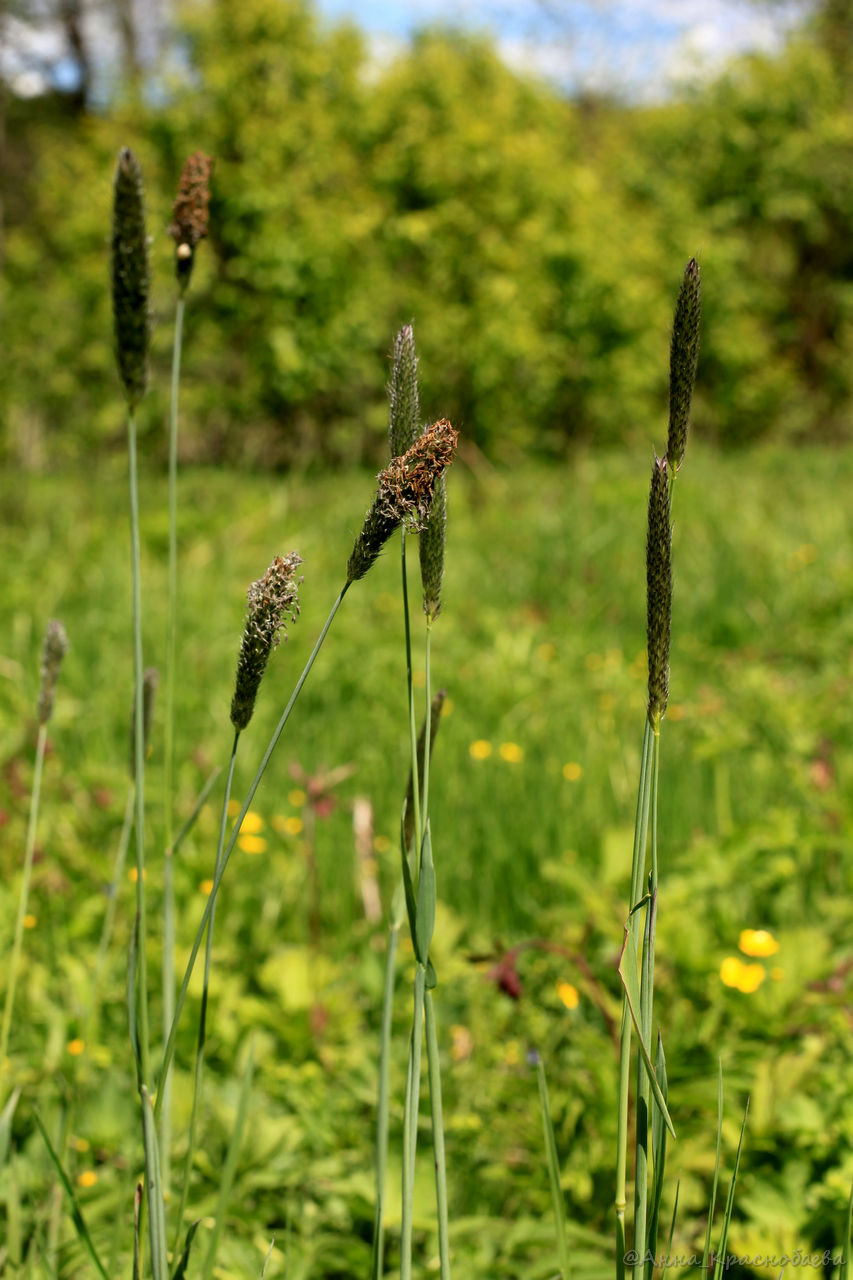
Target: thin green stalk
[[413, 733], [139, 757], [169, 747], [436, 1116], [410, 1124], [706, 1255], [169, 1051], [17, 944], [230, 1167], [109, 918], [202, 1025], [637, 870], [646, 1014], [397, 911], [553, 1171]]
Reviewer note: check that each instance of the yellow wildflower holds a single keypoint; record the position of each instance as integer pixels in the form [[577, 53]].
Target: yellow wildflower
[[381, 844], [743, 977], [296, 797], [75, 1047], [480, 750], [29, 921], [87, 1178], [252, 844], [292, 826], [568, 994], [205, 887], [252, 824], [572, 771], [511, 752], [758, 942]]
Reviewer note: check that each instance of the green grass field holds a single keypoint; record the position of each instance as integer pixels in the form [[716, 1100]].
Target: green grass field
[[540, 646]]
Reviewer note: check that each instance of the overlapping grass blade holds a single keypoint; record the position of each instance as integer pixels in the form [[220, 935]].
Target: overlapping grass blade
[[706, 1255], [230, 1166], [76, 1213], [720, 1262], [557, 1198]]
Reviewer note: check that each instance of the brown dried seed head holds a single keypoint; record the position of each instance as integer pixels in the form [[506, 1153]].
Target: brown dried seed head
[[404, 494], [272, 599], [189, 212], [659, 590]]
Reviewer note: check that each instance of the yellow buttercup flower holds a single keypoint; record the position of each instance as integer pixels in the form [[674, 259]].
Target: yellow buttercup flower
[[75, 1047], [252, 824], [297, 797], [29, 921], [511, 752], [572, 771], [758, 942], [743, 977], [568, 994], [480, 750], [205, 887], [87, 1178], [252, 844]]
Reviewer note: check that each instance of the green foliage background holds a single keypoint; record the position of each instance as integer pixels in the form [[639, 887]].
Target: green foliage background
[[536, 242]]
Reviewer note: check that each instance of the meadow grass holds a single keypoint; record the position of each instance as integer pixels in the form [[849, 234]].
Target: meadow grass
[[542, 654]]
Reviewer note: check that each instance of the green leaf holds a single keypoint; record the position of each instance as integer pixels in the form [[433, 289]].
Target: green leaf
[[76, 1214], [181, 1269], [720, 1266], [630, 976]]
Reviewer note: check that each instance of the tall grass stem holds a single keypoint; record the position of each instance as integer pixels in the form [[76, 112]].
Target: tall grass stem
[[383, 1099], [410, 1124], [437, 1118], [17, 944], [169, 1050], [202, 1024], [169, 743]]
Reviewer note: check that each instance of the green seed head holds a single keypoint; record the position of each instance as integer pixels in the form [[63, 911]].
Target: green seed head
[[54, 650], [431, 544], [403, 393], [150, 681], [404, 495], [272, 599], [130, 278], [189, 213], [683, 357], [659, 584]]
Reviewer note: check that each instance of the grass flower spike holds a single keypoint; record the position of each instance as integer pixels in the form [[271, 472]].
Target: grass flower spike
[[131, 279], [189, 213], [405, 494], [150, 681], [683, 357], [55, 649], [403, 393], [271, 600], [659, 581], [431, 544]]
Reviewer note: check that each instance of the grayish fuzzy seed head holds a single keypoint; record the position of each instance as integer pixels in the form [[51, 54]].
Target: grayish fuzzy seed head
[[683, 360], [404, 494], [54, 650], [131, 280], [659, 590], [403, 393], [272, 600]]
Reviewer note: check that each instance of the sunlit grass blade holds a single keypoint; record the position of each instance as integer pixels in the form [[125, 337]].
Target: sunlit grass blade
[[76, 1214], [720, 1263], [557, 1198], [267, 1259], [183, 1261], [712, 1208], [91, 1026], [383, 1098], [230, 1166], [437, 1118], [845, 1249], [154, 1191], [630, 976], [659, 1161], [6, 1117], [410, 1124], [673, 1220]]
